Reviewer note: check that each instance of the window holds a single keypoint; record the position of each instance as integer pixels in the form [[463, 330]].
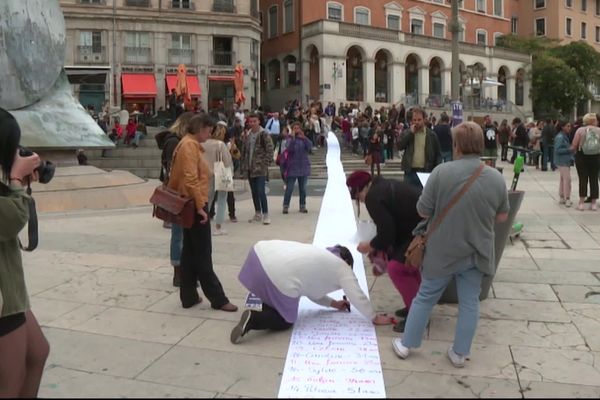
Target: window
[[225, 6], [181, 41], [272, 22], [137, 47], [514, 25], [568, 27], [539, 4], [463, 30], [335, 12], [439, 30], [583, 30], [498, 8], [497, 36], [222, 51], [254, 8], [362, 16], [393, 22], [288, 16], [540, 27], [91, 40], [416, 26], [181, 4], [137, 39], [137, 3], [597, 34], [569, 3], [481, 6], [91, 1], [481, 37], [584, 5], [597, 7]]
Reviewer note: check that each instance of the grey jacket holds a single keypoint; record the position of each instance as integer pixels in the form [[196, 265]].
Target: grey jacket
[[465, 238], [257, 164], [433, 155]]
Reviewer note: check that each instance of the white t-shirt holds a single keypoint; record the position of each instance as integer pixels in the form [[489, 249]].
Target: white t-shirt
[[355, 133]]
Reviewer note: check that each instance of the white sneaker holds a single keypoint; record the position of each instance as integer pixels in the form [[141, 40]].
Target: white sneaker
[[219, 232], [568, 203], [400, 350], [266, 220], [457, 360], [256, 218]]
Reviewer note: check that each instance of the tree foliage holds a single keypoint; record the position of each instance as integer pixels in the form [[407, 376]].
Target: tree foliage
[[561, 74]]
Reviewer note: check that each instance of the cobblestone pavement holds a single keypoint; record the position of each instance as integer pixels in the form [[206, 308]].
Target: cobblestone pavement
[[100, 284]]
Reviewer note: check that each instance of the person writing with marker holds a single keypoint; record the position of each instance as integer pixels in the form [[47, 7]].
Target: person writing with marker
[[281, 272]]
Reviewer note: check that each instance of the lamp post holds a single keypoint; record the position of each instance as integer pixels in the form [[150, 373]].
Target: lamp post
[[457, 109]]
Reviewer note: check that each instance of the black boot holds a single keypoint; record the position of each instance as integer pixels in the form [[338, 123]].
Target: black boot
[[176, 275]]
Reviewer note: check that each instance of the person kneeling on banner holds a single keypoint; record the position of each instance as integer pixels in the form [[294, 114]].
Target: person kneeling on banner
[[281, 272], [393, 207]]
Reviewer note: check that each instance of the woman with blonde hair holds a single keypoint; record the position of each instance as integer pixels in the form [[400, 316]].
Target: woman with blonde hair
[[167, 141], [463, 200], [586, 146], [215, 150]]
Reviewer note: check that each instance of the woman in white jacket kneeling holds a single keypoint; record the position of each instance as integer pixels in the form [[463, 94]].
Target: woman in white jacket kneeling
[[280, 272]]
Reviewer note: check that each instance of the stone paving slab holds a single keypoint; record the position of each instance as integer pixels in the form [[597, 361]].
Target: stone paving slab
[[524, 291], [546, 390]]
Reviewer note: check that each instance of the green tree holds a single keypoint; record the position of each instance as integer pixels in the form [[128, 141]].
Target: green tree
[[582, 57], [556, 87], [530, 45]]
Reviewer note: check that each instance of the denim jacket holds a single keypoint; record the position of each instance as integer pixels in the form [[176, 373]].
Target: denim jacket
[[562, 150]]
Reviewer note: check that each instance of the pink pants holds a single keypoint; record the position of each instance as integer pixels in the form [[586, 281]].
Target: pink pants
[[406, 280], [564, 188]]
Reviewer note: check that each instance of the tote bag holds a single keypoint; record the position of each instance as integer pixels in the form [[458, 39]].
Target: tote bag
[[223, 176]]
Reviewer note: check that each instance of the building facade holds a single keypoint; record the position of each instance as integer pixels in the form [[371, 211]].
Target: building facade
[[381, 52], [566, 21], [126, 52]]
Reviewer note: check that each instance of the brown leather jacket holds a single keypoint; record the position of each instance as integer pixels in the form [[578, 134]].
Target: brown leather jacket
[[190, 174]]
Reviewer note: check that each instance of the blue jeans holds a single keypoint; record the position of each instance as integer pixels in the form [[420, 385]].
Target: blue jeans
[[176, 244], [289, 189], [220, 204], [547, 155], [259, 197], [468, 287], [446, 156]]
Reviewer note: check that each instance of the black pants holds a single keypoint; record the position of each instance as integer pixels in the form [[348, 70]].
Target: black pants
[[268, 318], [587, 170], [514, 156], [197, 265], [504, 152]]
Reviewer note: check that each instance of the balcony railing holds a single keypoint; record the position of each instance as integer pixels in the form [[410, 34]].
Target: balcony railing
[[223, 6], [367, 32], [138, 55], [138, 3], [87, 55], [181, 56], [223, 58]]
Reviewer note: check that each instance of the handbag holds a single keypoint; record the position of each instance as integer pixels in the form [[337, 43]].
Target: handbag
[[223, 176], [416, 249], [171, 206], [369, 159]]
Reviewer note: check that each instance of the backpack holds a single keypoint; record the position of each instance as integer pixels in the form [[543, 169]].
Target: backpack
[[591, 142]]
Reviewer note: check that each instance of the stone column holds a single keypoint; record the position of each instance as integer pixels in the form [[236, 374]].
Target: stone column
[[527, 104], [423, 84], [396, 86], [305, 80], [369, 81], [338, 83], [510, 89], [446, 82]]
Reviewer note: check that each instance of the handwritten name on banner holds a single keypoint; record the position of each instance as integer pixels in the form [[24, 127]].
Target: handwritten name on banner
[[333, 354]]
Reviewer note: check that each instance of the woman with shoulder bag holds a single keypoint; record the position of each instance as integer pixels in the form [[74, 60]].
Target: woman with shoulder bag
[[169, 141], [23, 347], [190, 176], [464, 199], [392, 206]]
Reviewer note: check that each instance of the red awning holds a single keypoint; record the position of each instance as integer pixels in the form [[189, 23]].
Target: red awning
[[192, 82], [221, 78], [138, 85]]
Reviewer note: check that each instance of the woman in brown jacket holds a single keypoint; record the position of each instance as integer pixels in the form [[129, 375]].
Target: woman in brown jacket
[[190, 175]]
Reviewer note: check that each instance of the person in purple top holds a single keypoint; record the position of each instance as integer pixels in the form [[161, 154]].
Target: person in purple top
[[296, 166]]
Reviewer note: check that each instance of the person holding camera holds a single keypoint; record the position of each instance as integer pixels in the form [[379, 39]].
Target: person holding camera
[[23, 347]]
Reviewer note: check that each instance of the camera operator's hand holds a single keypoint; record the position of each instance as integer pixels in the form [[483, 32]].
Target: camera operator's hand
[[24, 167]]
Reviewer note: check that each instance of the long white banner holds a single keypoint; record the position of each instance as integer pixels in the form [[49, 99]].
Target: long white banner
[[334, 354]]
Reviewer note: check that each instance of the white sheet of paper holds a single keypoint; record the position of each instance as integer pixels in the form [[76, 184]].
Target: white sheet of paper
[[423, 177], [334, 354]]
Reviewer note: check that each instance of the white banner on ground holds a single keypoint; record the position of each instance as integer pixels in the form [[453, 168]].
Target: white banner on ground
[[332, 353]]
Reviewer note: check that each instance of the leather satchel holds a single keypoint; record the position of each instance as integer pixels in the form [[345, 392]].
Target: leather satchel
[[416, 249], [171, 206]]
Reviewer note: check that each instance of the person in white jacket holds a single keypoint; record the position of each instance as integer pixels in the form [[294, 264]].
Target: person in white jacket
[[280, 272], [215, 149]]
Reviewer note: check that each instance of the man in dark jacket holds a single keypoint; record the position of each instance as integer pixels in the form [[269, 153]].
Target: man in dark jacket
[[521, 139], [444, 135], [421, 148], [548, 134]]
